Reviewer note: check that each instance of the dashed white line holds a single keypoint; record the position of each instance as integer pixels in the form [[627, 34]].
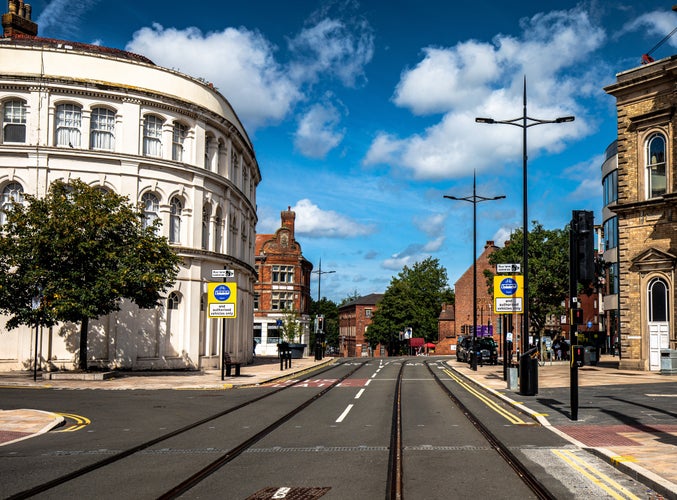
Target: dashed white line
[[344, 414], [357, 396]]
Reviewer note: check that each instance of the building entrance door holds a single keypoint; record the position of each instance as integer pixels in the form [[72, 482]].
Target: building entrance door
[[659, 338]]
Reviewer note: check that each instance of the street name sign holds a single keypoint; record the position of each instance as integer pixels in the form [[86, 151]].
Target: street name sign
[[223, 273], [509, 268]]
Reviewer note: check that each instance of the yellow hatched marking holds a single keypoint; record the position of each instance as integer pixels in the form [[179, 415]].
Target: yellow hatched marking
[[80, 422], [598, 477], [514, 419]]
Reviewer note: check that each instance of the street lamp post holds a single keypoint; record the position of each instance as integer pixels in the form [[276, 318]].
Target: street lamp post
[[319, 272], [474, 199], [524, 122]]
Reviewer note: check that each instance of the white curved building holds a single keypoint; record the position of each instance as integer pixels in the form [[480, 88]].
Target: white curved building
[[162, 138]]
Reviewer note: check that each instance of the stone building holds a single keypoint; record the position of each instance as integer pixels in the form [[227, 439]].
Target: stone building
[[646, 211], [164, 139], [283, 286], [354, 320]]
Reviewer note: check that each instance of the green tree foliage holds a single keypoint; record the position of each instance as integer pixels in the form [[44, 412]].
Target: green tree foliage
[[413, 299], [548, 270], [83, 250]]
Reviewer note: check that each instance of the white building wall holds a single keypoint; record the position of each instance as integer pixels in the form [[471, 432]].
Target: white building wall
[[44, 76]]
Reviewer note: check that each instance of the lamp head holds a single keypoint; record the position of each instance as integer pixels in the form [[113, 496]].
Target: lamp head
[[564, 119], [485, 120]]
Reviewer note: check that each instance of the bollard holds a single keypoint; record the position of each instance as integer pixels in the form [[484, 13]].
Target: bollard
[[528, 374]]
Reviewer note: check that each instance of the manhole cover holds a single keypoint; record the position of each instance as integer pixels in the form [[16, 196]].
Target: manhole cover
[[288, 493]]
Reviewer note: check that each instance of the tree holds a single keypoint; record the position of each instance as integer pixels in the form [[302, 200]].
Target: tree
[[83, 250], [329, 310], [413, 299], [548, 270]]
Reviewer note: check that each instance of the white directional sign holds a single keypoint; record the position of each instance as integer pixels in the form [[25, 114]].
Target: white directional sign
[[223, 273], [508, 268], [506, 306]]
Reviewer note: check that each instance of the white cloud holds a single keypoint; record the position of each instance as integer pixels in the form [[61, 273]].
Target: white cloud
[[63, 18], [250, 77], [432, 225], [332, 47], [317, 132], [467, 80], [313, 222], [657, 24], [415, 252]]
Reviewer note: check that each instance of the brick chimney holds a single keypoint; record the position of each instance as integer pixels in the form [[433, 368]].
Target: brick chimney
[[288, 217], [17, 21]]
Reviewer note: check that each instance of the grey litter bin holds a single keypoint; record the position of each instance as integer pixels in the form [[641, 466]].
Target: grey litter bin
[[668, 362], [590, 355]]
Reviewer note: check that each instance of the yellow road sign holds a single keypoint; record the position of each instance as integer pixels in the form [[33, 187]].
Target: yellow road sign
[[222, 300]]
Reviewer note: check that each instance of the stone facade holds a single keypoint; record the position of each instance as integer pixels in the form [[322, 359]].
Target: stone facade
[[647, 211], [283, 285]]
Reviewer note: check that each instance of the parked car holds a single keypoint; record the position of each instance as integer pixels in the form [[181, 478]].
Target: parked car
[[486, 348]]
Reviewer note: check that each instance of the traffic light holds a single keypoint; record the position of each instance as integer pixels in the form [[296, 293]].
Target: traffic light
[[583, 229], [577, 355], [576, 316], [320, 323]]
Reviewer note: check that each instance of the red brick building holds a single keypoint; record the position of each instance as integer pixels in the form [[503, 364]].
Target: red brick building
[[282, 287], [354, 320]]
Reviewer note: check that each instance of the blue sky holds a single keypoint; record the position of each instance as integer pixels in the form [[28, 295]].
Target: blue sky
[[362, 112]]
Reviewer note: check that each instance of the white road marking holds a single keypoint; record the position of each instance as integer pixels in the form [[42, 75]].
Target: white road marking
[[357, 396], [344, 414]]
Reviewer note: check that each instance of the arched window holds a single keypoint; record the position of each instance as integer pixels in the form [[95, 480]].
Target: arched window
[[11, 192], [655, 159], [218, 225], [151, 208], [205, 227], [102, 129], [14, 121], [178, 139], [175, 208], [173, 301], [658, 301], [152, 136], [68, 125]]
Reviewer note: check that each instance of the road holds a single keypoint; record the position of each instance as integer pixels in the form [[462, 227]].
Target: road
[[337, 446]]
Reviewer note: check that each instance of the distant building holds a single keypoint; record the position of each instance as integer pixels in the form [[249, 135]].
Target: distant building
[[283, 286], [646, 211], [165, 140], [354, 320]]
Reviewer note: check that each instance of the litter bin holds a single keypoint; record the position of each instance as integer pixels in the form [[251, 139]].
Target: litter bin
[[528, 374], [668, 362], [590, 355]]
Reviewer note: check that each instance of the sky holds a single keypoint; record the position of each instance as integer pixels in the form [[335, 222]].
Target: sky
[[362, 113]]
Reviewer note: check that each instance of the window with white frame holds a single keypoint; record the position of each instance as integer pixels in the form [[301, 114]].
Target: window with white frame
[[659, 302], [283, 274], [102, 129], [152, 135], [179, 134], [208, 145], [173, 301], [10, 193], [14, 121], [656, 171], [151, 209], [282, 301], [68, 125], [175, 209], [218, 225]]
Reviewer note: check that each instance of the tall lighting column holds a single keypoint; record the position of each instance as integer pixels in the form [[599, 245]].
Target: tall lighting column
[[524, 122], [474, 199], [319, 273]]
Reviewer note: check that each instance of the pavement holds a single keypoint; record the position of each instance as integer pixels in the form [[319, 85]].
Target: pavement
[[627, 418]]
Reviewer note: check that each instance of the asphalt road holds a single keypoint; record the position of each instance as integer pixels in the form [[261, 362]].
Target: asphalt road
[[336, 448]]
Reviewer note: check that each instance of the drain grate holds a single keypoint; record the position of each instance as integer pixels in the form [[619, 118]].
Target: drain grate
[[289, 493]]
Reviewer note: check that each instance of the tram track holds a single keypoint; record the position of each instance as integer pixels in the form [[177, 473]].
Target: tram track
[[209, 469]]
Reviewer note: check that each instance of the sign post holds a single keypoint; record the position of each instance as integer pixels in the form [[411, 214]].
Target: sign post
[[222, 303]]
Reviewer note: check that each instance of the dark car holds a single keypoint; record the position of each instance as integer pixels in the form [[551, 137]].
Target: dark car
[[486, 348]]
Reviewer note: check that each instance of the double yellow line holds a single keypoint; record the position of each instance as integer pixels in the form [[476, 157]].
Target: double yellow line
[[597, 477], [80, 422], [514, 419]]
